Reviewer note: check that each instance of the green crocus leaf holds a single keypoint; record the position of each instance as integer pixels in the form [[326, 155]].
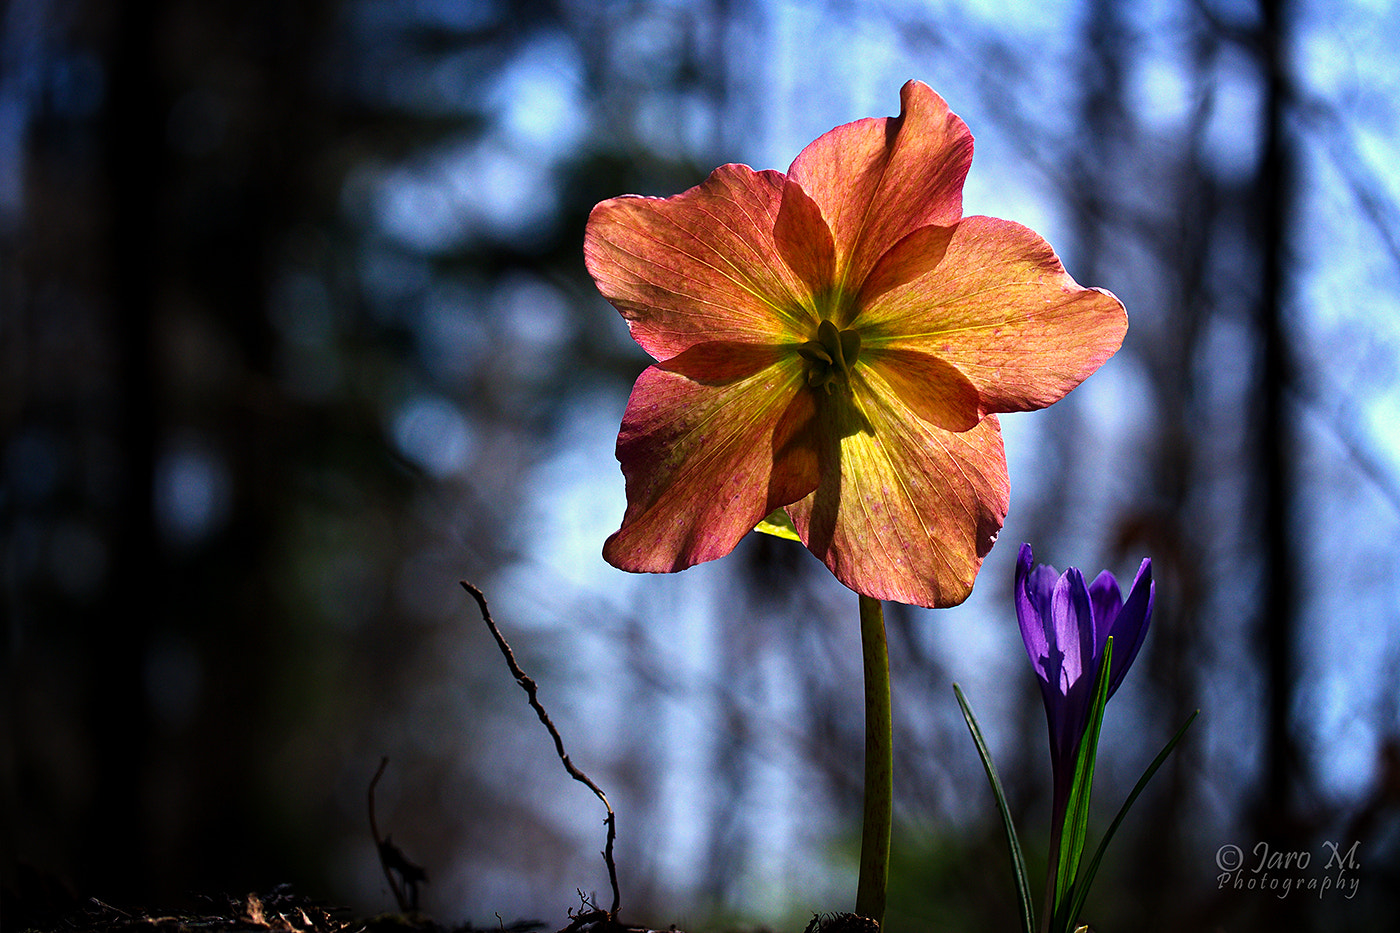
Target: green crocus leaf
[[1018, 861], [779, 525], [1081, 886], [1075, 829]]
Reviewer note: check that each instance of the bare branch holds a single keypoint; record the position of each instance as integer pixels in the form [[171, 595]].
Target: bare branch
[[531, 691], [392, 859]]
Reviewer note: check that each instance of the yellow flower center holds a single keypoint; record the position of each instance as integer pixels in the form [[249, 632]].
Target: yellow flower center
[[830, 357]]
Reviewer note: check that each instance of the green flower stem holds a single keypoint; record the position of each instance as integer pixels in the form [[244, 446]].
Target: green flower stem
[[879, 765]]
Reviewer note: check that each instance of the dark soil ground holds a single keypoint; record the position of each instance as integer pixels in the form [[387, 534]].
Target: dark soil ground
[[286, 912], [48, 906]]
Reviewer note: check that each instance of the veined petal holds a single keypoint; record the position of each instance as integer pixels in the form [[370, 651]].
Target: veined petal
[[1080, 666], [1130, 625], [705, 462], [721, 362], [1074, 633], [905, 511], [804, 240], [1001, 308], [876, 180], [1032, 614], [1106, 600], [699, 266], [932, 388], [917, 254]]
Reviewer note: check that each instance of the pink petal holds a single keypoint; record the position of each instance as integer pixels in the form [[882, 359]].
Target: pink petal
[[1001, 308], [933, 389], [877, 180], [917, 254], [804, 240], [719, 363], [905, 511], [704, 463], [699, 266]]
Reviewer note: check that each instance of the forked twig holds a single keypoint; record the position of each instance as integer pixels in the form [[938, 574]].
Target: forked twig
[[531, 690], [392, 859]]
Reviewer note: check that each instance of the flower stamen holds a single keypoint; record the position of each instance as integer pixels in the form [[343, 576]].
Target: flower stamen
[[831, 356]]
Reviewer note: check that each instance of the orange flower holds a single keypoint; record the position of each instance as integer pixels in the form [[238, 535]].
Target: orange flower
[[836, 342]]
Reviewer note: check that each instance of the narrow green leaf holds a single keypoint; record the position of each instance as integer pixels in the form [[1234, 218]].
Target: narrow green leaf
[[1075, 829], [779, 525], [1081, 886], [1018, 861]]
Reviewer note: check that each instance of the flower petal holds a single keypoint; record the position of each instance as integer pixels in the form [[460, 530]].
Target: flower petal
[[1001, 308], [1042, 586], [1029, 615], [804, 240], [917, 254], [932, 388], [706, 462], [1106, 600], [721, 362], [1130, 626], [1074, 637], [699, 266], [1035, 589], [1074, 631], [905, 511], [876, 180]]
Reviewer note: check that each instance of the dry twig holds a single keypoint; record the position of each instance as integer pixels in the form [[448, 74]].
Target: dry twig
[[392, 859], [531, 690]]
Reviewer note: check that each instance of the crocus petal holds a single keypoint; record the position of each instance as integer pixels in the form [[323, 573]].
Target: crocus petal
[[1106, 600], [1042, 586], [1073, 626], [699, 266], [1067, 711], [876, 180], [1001, 308], [905, 511], [1031, 614], [1130, 625], [704, 463], [1035, 584]]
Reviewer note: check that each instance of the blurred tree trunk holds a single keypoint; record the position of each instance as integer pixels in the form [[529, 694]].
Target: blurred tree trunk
[[115, 846], [1277, 622], [1207, 215], [192, 225]]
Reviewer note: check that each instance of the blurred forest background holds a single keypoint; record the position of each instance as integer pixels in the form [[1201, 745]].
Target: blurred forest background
[[296, 334]]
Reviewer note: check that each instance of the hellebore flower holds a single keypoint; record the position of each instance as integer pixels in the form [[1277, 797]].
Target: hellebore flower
[[835, 341], [1065, 626]]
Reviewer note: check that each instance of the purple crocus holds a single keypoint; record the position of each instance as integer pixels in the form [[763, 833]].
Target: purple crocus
[[1066, 625]]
